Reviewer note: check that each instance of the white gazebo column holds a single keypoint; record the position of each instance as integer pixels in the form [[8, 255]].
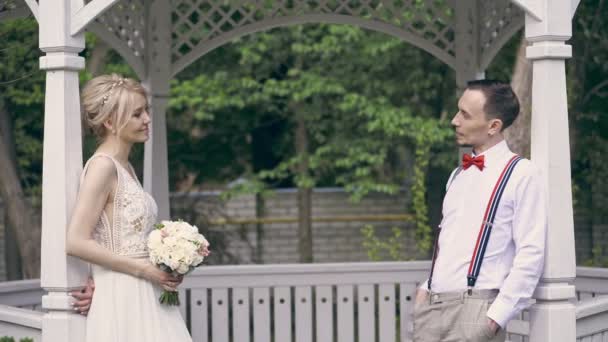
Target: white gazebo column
[[548, 26], [158, 63], [62, 165]]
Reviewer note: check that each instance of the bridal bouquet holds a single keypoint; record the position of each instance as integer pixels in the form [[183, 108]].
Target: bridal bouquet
[[176, 247]]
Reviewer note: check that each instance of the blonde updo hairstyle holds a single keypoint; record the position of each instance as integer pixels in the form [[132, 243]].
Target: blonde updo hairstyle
[[109, 97]]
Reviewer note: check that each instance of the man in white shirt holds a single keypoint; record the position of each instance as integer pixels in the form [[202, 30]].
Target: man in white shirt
[[491, 241]]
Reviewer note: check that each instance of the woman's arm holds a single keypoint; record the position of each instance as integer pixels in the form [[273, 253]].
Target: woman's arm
[[98, 183]]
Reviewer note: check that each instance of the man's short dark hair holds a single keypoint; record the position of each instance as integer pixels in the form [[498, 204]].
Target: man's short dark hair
[[501, 101]]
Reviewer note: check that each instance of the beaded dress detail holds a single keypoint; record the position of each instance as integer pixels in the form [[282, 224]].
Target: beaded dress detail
[[134, 216]]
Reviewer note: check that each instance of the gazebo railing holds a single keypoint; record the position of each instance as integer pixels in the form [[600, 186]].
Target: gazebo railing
[[592, 319], [306, 302], [333, 302], [25, 294], [20, 323]]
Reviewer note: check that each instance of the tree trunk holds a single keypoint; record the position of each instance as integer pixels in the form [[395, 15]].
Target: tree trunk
[[21, 216], [304, 193], [98, 56], [518, 135], [11, 252]]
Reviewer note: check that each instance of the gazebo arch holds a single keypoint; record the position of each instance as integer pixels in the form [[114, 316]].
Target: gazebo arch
[[158, 38]]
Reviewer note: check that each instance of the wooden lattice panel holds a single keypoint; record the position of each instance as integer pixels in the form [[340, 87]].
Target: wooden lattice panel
[[126, 21], [8, 5], [496, 20], [13, 9], [196, 22]]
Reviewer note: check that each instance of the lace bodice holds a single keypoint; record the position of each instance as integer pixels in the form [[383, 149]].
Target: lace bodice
[[134, 216]]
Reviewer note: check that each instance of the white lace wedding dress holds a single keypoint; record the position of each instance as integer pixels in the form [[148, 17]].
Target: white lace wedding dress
[[126, 308]]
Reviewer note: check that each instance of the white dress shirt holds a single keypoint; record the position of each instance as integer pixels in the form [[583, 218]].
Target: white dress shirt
[[514, 256]]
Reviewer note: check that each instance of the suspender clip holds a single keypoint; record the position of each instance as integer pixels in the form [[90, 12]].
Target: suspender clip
[[470, 291]]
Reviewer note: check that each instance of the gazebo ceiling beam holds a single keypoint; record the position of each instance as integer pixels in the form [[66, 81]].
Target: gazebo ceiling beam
[[88, 13], [574, 6], [532, 7], [33, 5]]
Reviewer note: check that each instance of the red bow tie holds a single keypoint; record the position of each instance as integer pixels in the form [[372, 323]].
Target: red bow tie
[[467, 161]]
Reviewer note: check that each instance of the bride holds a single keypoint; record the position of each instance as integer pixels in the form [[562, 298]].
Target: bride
[[111, 221]]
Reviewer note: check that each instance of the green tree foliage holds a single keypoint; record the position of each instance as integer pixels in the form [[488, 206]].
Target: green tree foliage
[[375, 110], [363, 97], [22, 97]]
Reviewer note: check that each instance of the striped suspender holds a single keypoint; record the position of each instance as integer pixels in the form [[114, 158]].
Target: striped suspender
[[488, 220], [486, 226]]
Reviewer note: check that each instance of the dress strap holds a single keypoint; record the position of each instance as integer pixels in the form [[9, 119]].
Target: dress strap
[[86, 165], [133, 175]]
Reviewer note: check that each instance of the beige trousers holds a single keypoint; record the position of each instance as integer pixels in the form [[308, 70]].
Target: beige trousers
[[455, 317]]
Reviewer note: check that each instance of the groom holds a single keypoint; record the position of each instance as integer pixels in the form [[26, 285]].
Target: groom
[[489, 252]]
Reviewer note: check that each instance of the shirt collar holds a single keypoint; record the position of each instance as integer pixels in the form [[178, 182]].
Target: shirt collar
[[494, 153]]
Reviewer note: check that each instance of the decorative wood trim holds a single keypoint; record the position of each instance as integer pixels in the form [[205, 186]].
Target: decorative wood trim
[[85, 15]]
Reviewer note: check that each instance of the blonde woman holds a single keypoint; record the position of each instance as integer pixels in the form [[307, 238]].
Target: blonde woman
[[111, 221]]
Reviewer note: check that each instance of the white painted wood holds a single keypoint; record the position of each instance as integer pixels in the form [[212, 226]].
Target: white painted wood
[[345, 303], [17, 317], [518, 327], [590, 313], [19, 332], [261, 314], [240, 314], [324, 308], [88, 13], [54, 24], [62, 165], [404, 35], [219, 315], [386, 312], [33, 5], [366, 313], [282, 314], [532, 8], [556, 23], [309, 274], [553, 316], [121, 47], [21, 293], [199, 320], [407, 296], [466, 39], [303, 320], [506, 34], [156, 172]]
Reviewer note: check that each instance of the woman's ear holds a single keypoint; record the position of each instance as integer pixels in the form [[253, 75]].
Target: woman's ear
[[109, 126]]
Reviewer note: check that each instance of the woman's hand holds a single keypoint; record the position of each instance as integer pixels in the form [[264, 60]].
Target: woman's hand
[[84, 298], [166, 280]]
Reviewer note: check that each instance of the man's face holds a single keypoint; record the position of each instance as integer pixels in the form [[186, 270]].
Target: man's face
[[470, 122]]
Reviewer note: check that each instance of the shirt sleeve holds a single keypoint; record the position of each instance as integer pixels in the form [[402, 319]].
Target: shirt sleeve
[[529, 236], [424, 286]]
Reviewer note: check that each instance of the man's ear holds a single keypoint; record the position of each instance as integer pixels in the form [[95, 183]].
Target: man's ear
[[495, 126]]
